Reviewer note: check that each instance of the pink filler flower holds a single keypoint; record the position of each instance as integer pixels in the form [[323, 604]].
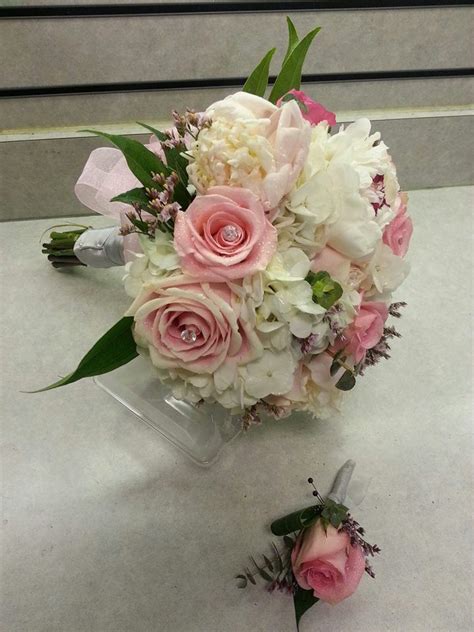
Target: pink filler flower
[[311, 110]]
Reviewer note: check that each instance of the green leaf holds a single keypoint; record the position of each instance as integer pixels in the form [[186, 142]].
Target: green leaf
[[297, 520], [334, 513], [292, 38], [268, 563], [141, 161], [161, 136], [263, 574], [303, 600], [242, 581], [346, 382], [134, 196], [178, 163], [250, 577], [115, 348], [279, 561], [289, 77], [326, 291], [258, 80], [289, 542]]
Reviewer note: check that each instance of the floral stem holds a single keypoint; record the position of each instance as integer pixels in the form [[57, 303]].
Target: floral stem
[[343, 364], [341, 482]]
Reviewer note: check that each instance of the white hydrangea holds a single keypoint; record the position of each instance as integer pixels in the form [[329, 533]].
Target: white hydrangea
[[332, 200], [158, 259]]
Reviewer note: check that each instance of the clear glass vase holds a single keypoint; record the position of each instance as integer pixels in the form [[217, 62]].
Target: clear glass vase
[[199, 431]]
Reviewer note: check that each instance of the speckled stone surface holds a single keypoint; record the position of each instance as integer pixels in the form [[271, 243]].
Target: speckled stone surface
[[107, 528]]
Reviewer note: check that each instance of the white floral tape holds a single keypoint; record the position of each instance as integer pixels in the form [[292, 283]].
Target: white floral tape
[[100, 247]]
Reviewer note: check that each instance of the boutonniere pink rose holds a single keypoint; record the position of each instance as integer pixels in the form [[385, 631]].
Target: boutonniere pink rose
[[325, 561], [224, 235], [324, 554]]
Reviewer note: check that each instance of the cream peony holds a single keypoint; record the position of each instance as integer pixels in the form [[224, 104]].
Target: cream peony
[[253, 144]]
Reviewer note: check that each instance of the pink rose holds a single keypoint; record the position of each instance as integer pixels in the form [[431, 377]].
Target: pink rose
[[311, 110], [366, 329], [195, 326], [326, 563], [398, 233], [224, 235]]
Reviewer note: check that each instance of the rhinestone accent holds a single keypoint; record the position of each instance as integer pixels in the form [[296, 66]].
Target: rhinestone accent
[[231, 233], [189, 336]]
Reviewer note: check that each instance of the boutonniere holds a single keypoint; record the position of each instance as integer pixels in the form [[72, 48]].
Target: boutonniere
[[323, 554]]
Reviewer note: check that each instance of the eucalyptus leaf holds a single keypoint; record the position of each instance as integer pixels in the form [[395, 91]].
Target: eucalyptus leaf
[[242, 581], [141, 161], [296, 521], [258, 79], [289, 77], [292, 38], [346, 382], [303, 600], [115, 348]]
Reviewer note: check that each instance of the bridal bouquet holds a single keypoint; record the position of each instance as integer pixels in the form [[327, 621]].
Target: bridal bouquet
[[262, 248]]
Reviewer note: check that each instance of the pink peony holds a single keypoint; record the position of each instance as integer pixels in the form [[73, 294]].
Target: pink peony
[[224, 235], [366, 329], [326, 563], [311, 110], [398, 233], [189, 325]]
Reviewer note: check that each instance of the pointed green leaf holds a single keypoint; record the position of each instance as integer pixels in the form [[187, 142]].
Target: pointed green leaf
[[303, 600], [250, 577], [178, 163], [161, 136], [292, 38], [134, 196], [268, 562], [263, 574], [289, 77], [258, 80], [116, 348], [279, 561], [141, 161], [289, 542]]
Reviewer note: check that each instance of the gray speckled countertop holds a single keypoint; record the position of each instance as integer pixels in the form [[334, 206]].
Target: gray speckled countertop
[[107, 528]]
